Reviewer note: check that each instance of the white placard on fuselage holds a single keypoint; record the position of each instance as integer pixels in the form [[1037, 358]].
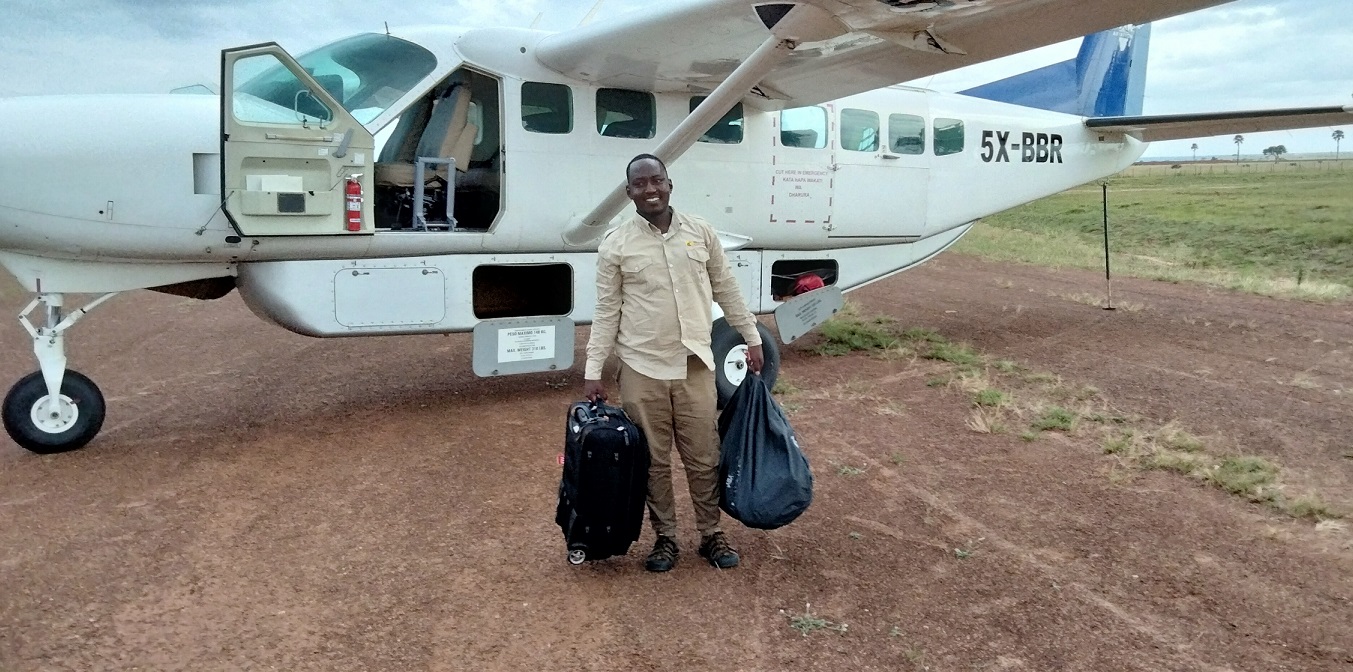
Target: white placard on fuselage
[[525, 343]]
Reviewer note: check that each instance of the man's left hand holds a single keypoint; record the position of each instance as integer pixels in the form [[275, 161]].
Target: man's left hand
[[755, 358]]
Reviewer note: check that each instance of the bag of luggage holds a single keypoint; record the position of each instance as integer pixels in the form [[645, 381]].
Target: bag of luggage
[[765, 479], [604, 484]]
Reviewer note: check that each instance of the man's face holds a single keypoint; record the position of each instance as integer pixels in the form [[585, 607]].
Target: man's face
[[649, 187]]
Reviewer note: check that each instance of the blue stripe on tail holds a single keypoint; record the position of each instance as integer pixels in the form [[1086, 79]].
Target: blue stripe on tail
[[1106, 79]]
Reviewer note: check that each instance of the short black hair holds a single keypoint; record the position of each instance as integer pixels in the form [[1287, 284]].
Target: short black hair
[[643, 157]]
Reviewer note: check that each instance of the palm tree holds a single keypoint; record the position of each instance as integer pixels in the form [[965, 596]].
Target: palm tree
[[1238, 140], [1338, 137], [1195, 151]]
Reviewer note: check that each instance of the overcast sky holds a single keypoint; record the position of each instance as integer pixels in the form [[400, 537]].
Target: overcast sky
[[1249, 54]]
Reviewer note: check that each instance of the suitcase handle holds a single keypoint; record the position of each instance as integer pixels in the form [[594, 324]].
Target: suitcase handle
[[596, 406]]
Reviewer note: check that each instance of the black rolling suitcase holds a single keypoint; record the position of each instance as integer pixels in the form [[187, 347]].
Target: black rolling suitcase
[[605, 482]]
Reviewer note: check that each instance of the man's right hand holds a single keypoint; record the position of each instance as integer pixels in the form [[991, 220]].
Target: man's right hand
[[593, 390]]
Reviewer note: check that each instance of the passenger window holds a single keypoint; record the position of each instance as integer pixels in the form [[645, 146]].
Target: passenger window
[[859, 130], [906, 134], [804, 127], [622, 113], [948, 136], [546, 108], [727, 130]]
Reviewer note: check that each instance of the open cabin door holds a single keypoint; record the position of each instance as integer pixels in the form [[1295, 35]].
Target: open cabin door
[[294, 162]]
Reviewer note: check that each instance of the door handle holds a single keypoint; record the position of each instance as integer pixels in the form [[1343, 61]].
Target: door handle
[[298, 138], [890, 156]]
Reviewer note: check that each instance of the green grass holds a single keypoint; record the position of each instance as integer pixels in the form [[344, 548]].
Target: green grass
[[1055, 418], [954, 353], [1247, 476], [1050, 404], [849, 470], [847, 332], [1252, 232], [808, 622], [784, 387], [989, 397]]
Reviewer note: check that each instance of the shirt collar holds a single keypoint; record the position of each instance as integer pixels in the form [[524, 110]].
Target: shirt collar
[[677, 222]]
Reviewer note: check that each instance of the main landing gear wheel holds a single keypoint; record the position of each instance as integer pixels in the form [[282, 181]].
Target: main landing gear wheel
[[730, 358], [44, 426]]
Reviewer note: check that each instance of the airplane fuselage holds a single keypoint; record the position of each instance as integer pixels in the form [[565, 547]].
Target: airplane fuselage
[[142, 184]]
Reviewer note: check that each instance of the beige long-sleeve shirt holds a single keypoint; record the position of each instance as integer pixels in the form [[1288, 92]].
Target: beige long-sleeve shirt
[[655, 295]]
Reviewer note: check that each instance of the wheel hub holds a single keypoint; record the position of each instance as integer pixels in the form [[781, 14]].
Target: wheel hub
[[735, 365], [55, 418]]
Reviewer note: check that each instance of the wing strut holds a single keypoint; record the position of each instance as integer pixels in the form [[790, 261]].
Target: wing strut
[[771, 52]]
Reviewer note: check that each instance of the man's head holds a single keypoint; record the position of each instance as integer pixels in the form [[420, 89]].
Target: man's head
[[646, 184]]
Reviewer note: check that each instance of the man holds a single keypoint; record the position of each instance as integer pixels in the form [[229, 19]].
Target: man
[[657, 277]]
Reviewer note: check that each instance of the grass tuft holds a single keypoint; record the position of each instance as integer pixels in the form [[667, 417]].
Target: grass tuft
[[959, 354], [784, 387], [1247, 476], [849, 470], [1055, 418], [848, 332], [989, 398], [1311, 507], [985, 421], [808, 622]]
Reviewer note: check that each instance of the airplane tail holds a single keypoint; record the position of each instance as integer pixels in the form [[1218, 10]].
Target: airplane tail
[[1106, 79]]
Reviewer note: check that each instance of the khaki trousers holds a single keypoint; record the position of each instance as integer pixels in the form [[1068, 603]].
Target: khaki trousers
[[687, 411]]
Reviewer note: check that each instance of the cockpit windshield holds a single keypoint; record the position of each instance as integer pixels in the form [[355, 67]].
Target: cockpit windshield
[[366, 73]]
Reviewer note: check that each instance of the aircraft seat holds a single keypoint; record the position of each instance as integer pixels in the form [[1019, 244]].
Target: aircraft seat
[[802, 138], [403, 141], [725, 134], [448, 134], [633, 128]]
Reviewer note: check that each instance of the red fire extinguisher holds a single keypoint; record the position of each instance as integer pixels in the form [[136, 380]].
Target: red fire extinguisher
[[353, 198]]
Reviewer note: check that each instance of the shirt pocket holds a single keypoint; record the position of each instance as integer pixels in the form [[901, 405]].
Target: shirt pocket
[[699, 260], [633, 271]]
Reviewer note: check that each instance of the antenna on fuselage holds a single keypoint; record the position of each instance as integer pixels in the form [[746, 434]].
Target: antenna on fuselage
[[387, 29], [536, 22], [587, 19]]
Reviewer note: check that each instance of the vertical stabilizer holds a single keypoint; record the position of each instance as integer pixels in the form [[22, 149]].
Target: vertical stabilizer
[[1107, 78]]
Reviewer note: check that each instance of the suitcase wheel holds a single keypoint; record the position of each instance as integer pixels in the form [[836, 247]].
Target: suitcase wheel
[[576, 557]]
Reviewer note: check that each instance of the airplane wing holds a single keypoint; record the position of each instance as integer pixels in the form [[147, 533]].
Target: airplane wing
[[850, 46], [1183, 126]]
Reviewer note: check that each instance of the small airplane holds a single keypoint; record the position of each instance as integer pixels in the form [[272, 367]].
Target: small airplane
[[441, 180]]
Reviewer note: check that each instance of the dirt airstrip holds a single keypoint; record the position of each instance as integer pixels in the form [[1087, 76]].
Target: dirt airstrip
[[261, 500]]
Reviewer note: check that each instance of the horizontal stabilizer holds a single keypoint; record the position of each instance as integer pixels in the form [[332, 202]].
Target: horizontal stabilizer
[[1183, 126]]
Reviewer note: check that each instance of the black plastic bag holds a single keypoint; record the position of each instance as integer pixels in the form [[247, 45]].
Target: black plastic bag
[[765, 479]]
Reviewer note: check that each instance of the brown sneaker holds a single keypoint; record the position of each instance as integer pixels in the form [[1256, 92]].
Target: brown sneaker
[[716, 550], [664, 555]]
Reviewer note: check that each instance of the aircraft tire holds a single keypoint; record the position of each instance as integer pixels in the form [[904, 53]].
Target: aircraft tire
[[724, 340], [83, 412]]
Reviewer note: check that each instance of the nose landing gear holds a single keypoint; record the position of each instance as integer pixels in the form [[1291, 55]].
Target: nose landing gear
[[55, 409]]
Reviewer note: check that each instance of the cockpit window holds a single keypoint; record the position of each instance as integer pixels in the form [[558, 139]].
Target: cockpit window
[[366, 73]]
